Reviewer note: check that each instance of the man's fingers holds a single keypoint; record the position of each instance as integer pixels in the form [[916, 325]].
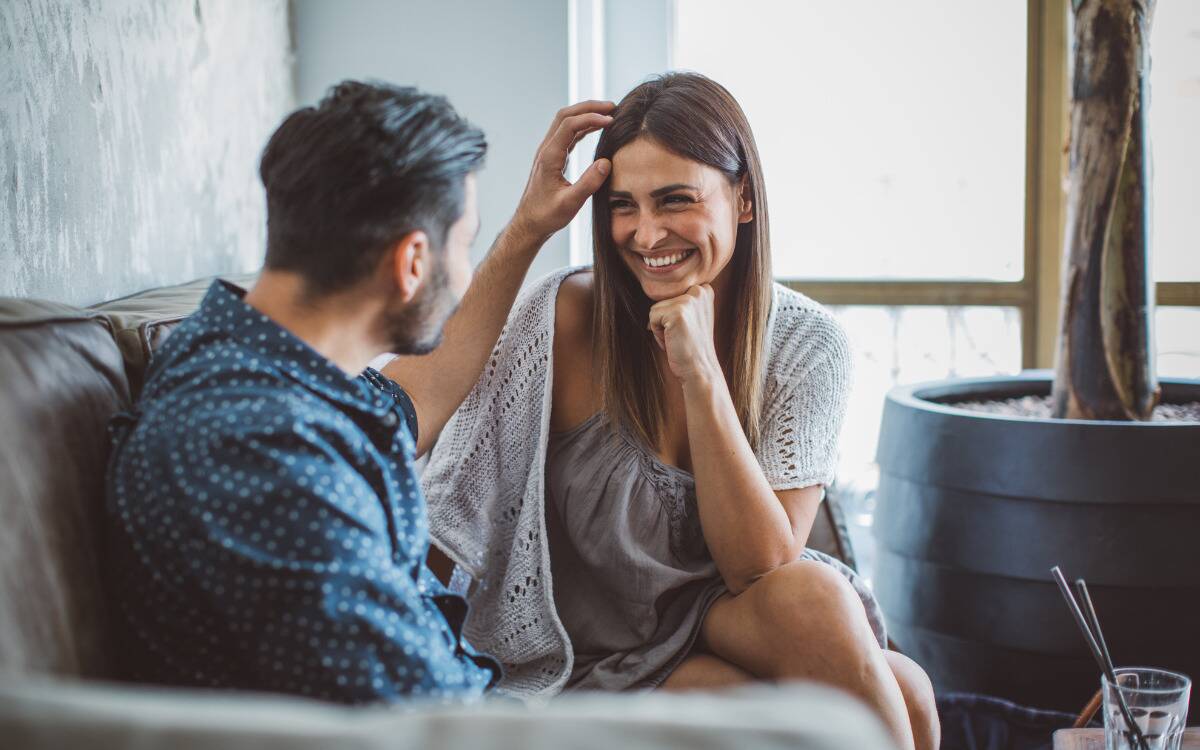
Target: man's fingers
[[603, 106], [570, 129], [579, 108], [589, 182]]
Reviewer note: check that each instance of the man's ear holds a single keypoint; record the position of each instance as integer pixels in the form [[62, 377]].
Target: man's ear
[[745, 201], [410, 263]]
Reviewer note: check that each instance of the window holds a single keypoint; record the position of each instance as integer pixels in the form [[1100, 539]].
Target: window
[[1178, 342], [881, 160], [1174, 123], [916, 187]]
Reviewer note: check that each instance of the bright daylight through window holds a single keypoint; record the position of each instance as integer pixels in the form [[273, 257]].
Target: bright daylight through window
[[883, 162]]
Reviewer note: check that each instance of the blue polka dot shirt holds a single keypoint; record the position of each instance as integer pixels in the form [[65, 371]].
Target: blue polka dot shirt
[[266, 529]]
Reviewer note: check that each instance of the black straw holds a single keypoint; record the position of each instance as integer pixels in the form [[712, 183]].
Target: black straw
[[1095, 642], [1089, 612]]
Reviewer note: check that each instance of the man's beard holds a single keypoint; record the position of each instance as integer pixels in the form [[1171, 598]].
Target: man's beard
[[417, 329]]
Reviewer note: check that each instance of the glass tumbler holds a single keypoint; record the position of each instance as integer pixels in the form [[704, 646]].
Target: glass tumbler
[[1158, 702]]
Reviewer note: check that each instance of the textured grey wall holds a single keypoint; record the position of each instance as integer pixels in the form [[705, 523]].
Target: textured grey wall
[[130, 132], [502, 63]]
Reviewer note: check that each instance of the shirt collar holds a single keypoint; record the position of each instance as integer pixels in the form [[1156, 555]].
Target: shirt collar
[[224, 309]]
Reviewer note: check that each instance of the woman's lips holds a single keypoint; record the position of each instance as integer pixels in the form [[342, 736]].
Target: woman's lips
[[665, 262]]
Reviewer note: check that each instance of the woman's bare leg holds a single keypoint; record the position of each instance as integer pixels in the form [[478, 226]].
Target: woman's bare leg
[[919, 699], [805, 621], [706, 672]]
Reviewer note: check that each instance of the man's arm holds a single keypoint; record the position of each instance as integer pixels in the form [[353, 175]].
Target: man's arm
[[438, 382]]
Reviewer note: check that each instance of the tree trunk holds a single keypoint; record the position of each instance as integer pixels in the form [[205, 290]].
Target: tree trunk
[[1105, 367]]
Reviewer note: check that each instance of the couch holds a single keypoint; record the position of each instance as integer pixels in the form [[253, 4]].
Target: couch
[[64, 371]]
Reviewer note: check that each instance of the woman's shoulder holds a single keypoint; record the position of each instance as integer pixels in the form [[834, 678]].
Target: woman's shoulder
[[574, 396], [573, 305], [539, 304], [803, 330]]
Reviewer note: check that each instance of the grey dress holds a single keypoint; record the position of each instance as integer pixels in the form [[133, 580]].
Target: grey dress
[[632, 574], [633, 578]]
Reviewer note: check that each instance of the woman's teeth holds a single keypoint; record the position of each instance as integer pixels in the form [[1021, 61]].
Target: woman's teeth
[[666, 260]]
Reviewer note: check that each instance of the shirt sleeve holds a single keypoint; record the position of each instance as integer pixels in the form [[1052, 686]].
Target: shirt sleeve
[[808, 387], [305, 590], [393, 390]]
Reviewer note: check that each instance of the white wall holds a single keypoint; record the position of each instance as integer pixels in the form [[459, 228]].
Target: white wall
[[502, 63], [615, 45], [507, 65], [130, 134], [637, 42]]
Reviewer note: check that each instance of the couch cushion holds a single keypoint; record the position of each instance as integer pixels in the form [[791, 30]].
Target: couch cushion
[[141, 322], [63, 378], [829, 532], [41, 715]]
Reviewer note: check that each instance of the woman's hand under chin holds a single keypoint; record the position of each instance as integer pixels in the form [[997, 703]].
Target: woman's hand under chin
[[683, 327]]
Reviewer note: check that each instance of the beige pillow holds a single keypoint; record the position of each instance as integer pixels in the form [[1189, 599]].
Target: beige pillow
[[141, 322]]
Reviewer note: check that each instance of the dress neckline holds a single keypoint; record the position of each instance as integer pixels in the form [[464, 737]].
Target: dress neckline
[[632, 441]]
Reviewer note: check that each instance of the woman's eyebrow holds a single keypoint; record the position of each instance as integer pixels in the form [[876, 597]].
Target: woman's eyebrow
[[670, 189], [657, 193]]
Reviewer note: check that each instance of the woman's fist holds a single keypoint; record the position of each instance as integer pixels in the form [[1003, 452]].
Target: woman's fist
[[683, 327]]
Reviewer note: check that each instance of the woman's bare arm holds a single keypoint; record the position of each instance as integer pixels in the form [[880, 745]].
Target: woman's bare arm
[[750, 529]]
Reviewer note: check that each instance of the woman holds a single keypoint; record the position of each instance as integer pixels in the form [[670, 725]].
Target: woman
[[632, 481]]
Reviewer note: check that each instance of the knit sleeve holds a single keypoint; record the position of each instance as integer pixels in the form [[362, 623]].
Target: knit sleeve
[[807, 388]]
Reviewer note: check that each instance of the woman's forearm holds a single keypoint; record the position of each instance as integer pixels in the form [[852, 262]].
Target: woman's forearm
[[747, 529]]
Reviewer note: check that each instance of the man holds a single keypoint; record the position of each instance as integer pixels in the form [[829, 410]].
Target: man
[[267, 531]]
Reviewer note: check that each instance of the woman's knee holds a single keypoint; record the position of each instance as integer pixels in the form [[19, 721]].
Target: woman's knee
[[807, 598], [809, 611]]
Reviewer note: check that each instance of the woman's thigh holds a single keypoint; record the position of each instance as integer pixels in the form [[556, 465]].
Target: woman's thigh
[[700, 671]]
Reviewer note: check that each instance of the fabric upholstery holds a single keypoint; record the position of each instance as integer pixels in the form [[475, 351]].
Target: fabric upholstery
[[62, 378], [142, 322], [45, 715]]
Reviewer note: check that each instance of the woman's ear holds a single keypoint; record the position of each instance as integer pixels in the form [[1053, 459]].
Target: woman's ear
[[745, 202], [410, 264]]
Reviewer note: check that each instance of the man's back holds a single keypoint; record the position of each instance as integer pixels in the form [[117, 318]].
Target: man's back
[[266, 529]]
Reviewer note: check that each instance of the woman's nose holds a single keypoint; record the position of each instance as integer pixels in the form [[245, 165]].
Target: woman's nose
[[648, 233]]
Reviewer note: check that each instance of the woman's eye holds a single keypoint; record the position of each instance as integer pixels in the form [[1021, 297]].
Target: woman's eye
[[676, 199], [618, 205]]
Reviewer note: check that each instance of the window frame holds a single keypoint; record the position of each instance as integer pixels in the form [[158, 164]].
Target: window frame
[[1038, 292]]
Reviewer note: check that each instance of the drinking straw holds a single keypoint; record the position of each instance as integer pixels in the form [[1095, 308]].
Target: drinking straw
[[1089, 612], [1105, 665]]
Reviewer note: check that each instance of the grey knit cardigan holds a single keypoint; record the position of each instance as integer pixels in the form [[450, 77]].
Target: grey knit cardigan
[[485, 480]]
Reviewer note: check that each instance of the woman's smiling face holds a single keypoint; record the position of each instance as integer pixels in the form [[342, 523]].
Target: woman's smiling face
[[674, 220]]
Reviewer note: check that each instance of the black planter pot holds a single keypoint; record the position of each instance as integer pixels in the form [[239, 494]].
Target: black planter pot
[[974, 509]]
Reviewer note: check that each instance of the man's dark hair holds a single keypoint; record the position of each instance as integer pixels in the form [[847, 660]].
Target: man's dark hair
[[348, 178]]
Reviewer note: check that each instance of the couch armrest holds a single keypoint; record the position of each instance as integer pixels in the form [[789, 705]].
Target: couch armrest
[[51, 713]]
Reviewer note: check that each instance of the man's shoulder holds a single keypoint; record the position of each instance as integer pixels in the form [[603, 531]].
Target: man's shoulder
[[223, 409]]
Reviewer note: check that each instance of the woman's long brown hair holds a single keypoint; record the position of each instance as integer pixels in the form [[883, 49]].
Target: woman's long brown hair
[[698, 119]]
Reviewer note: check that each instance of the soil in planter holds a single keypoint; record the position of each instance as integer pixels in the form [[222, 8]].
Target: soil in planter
[[1039, 407]]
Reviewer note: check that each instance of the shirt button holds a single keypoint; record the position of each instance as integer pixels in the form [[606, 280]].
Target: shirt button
[[390, 419]]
